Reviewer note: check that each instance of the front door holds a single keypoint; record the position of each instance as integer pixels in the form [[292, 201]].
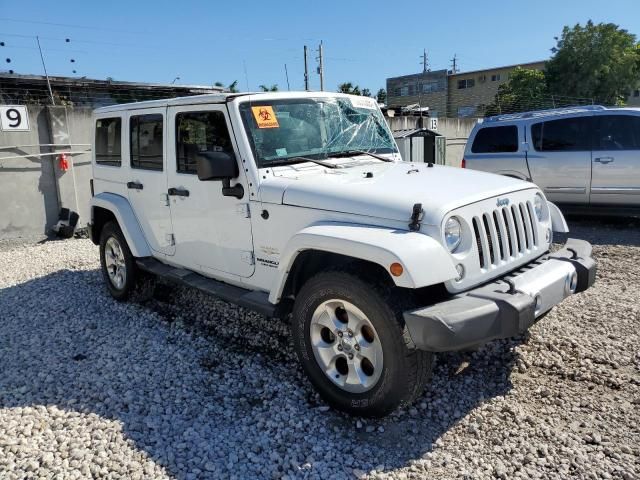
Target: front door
[[212, 231], [616, 160], [147, 177]]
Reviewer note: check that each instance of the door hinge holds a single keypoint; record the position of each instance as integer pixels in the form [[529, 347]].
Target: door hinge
[[242, 209], [164, 199], [171, 239], [247, 257]]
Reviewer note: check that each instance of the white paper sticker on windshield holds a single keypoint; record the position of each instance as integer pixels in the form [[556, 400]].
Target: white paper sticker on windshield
[[363, 102], [281, 152]]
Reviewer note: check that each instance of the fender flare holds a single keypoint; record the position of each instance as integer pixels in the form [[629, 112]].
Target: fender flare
[[558, 223], [425, 261], [122, 210]]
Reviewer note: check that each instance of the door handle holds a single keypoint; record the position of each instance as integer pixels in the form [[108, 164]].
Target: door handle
[[604, 160], [178, 192], [134, 185]]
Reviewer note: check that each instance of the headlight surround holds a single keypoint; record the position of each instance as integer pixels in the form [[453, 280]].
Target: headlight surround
[[538, 206], [453, 233]]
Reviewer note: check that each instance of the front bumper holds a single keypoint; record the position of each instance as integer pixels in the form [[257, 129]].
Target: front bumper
[[505, 307]]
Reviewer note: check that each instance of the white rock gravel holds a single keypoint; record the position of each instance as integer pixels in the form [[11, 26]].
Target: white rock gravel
[[183, 386]]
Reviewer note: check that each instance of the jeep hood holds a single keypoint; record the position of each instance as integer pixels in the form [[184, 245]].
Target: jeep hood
[[385, 190]]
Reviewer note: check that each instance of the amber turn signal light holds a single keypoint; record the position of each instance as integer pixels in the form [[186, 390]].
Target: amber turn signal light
[[396, 269]]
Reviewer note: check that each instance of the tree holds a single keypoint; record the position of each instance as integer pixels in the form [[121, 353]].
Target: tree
[[598, 61], [381, 96], [366, 92], [525, 90], [349, 88], [232, 88], [272, 88]]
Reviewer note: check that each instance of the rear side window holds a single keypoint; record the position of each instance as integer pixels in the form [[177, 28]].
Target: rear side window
[[198, 132], [108, 146], [496, 140], [617, 132], [146, 141], [566, 135]]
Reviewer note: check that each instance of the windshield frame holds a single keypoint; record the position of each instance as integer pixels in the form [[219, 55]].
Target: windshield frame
[[250, 101]]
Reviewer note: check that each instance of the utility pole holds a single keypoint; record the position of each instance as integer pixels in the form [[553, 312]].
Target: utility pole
[[306, 70], [454, 64], [53, 102], [425, 61], [287, 75], [321, 67]]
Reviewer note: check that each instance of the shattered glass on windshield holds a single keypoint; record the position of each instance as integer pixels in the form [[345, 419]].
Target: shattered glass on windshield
[[316, 128]]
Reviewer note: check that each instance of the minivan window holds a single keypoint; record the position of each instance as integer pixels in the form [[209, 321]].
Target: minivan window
[[565, 135], [108, 147], [496, 140], [617, 132], [146, 141], [198, 132]]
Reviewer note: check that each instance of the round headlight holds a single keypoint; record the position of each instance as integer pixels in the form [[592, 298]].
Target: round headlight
[[452, 233], [538, 205]]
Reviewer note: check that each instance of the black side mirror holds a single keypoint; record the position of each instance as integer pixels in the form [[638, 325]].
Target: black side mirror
[[220, 166], [216, 166]]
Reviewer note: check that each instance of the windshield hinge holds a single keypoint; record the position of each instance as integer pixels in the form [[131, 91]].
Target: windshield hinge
[[416, 216]]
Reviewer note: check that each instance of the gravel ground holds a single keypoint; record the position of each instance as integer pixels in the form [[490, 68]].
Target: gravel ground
[[183, 386]]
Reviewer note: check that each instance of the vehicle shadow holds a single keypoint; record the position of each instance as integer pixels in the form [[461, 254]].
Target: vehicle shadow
[[603, 230], [208, 390]]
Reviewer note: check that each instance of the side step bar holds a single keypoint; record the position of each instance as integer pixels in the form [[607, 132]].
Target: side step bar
[[253, 300]]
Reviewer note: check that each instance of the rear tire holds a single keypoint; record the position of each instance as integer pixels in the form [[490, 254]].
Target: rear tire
[[351, 339], [118, 264]]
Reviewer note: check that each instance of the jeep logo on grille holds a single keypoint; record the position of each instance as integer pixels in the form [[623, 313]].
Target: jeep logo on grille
[[502, 202]]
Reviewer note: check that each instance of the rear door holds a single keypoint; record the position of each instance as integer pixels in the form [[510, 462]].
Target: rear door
[[559, 158], [212, 231], [616, 159], [495, 149], [147, 177]]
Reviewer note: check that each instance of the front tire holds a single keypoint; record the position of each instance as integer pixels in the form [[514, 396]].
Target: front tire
[[350, 337], [118, 264]]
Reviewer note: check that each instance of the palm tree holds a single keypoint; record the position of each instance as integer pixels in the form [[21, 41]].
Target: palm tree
[[272, 88], [232, 88], [349, 88]]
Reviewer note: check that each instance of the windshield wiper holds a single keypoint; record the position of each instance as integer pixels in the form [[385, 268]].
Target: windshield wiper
[[351, 153], [291, 160]]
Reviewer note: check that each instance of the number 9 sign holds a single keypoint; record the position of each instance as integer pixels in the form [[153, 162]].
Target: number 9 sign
[[14, 118]]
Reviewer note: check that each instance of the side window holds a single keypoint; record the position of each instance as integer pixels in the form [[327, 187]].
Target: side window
[[198, 132], [496, 140], [617, 132], [108, 146], [566, 135], [146, 141]]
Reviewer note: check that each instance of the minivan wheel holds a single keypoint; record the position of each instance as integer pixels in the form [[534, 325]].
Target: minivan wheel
[[118, 266], [350, 338]]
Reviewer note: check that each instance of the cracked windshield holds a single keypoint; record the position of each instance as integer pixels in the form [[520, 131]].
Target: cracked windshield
[[283, 131]]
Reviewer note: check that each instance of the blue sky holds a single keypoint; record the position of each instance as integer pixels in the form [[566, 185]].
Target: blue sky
[[203, 42]]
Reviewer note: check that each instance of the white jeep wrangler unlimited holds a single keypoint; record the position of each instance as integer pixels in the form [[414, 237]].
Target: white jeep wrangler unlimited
[[297, 205]]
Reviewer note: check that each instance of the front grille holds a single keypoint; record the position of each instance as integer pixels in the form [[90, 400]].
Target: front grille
[[505, 234]]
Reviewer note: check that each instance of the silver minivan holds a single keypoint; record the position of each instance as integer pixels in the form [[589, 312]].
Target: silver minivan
[[584, 158]]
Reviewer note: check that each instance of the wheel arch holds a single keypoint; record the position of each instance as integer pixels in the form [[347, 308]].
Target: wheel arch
[[374, 249], [109, 206]]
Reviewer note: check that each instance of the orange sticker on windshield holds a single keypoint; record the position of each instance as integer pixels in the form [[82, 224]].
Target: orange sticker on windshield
[[265, 117]]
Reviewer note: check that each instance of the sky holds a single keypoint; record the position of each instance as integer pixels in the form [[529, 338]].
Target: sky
[[364, 42]]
